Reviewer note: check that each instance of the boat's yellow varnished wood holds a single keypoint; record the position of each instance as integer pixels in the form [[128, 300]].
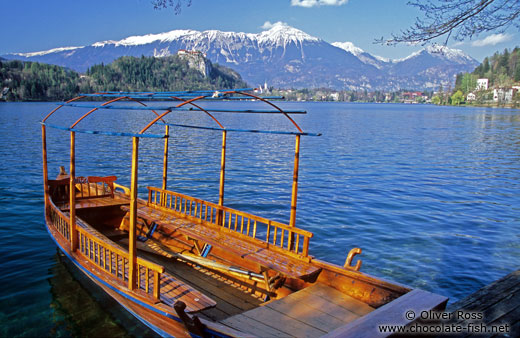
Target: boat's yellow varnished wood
[[132, 249], [165, 157], [207, 213], [108, 256], [247, 250], [392, 313], [72, 200], [311, 312]]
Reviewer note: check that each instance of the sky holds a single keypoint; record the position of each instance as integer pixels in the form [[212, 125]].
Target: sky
[[36, 25]]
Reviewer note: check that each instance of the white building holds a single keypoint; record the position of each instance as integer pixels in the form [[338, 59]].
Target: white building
[[503, 95], [471, 97], [482, 84]]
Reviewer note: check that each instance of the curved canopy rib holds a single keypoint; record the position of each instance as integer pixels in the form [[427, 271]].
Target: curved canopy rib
[[202, 109], [271, 104], [55, 109], [169, 111]]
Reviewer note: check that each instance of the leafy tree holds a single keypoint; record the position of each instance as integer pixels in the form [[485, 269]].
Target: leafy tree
[[457, 98]]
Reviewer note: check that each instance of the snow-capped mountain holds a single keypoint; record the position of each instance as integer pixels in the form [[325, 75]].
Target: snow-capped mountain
[[374, 60], [282, 56]]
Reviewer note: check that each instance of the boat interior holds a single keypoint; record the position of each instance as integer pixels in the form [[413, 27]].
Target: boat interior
[[234, 291]]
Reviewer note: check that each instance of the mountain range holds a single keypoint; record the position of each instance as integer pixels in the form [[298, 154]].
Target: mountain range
[[283, 57]]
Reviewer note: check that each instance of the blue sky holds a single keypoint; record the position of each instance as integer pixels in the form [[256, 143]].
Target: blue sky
[[35, 25]]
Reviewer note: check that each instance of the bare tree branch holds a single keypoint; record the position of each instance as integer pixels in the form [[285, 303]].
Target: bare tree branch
[[460, 19], [175, 4]]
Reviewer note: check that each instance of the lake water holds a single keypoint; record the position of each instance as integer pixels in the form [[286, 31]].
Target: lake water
[[431, 194]]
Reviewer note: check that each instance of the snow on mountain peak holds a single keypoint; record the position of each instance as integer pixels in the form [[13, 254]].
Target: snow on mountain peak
[[365, 57], [282, 33], [448, 53], [349, 47], [440, 51], [149, 38], [50, 51]]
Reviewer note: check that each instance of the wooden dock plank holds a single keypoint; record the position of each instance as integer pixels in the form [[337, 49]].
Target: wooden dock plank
[[499, 303], [488, 293]]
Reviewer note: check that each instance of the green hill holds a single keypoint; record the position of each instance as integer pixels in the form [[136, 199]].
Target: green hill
[[33, 81]]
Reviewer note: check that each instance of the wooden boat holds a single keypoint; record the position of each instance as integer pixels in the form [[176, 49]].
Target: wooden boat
[[185, 266]]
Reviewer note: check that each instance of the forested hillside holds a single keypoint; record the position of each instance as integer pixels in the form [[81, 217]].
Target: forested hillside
[[502, 70], [24, 81]]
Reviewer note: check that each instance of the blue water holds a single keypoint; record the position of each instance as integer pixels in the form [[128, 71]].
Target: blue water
[[431, 194]]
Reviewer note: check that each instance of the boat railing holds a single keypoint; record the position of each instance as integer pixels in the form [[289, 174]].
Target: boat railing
[[59, 221], [95, 186], [114, 261], [108, 257], [290, 240]]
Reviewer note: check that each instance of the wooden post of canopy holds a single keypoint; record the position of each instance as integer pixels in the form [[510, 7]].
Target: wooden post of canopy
[[45, 169], [165, 161], [72, 193], [132, 249], [222, 176], [294, 196]]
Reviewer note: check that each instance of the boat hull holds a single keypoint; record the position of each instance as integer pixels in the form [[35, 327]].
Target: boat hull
[[164, 324]]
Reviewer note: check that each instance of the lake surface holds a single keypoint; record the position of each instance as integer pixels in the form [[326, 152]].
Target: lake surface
[[431, 194]]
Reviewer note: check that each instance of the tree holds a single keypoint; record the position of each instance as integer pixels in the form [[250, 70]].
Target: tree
[[175, 4], [457, 98], [461, 18]]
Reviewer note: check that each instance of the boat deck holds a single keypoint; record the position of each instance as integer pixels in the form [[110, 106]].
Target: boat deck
[[311, 312], [231, 296]]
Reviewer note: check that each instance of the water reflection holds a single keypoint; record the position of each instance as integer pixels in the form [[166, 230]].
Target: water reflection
[[82, 309]]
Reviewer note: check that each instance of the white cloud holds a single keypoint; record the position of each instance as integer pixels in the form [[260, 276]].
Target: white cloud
[[269, 24], [492, 40], [313, 3]]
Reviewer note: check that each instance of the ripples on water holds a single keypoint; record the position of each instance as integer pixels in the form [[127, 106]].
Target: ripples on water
[[430, 193]]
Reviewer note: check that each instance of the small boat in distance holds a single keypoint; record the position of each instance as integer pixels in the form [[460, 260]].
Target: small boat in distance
[[189, 267]]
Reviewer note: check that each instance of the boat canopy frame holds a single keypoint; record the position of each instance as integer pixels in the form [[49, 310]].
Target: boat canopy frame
[[181, 99]]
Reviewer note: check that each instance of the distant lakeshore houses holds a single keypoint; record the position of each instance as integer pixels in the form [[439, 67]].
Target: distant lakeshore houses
[[500, 94], [504, 94], [413, 97], [482, 84]]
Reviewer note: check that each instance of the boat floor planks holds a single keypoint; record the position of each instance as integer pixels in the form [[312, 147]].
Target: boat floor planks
[[230, 297], [311, 312]]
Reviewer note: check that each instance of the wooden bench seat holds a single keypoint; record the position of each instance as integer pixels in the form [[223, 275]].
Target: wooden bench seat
[[95, 203], [267, 259], [171, 289]]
